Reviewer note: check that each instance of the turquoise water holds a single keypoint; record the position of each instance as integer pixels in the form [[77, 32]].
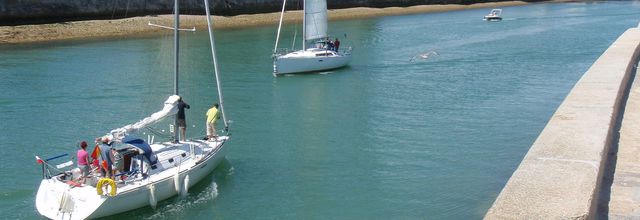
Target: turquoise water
[[386, 138]]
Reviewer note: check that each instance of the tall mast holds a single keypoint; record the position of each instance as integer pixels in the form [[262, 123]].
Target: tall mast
[[176, 43], [304, 25], [275, 48], [215, 64]]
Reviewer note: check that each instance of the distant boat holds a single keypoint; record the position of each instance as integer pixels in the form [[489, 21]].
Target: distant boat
[[494, 15], [317, 52], [152, 171]]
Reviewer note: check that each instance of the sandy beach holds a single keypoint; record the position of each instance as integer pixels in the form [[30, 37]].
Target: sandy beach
[[139, 25]]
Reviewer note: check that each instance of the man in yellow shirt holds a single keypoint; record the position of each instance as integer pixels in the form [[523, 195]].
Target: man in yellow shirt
[[212, 116]]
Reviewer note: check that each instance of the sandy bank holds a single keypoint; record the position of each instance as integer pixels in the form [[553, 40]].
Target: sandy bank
[[138, 25]]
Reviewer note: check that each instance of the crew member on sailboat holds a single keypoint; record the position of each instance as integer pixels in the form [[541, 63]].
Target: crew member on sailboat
[[212, 117], [182, 123], [105, 159], [83, 161]]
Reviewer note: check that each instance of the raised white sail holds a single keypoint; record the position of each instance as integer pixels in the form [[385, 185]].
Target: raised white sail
[[315, 19]]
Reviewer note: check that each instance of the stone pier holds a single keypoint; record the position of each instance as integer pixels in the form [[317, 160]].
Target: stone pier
[[562, 174], [625, 190]]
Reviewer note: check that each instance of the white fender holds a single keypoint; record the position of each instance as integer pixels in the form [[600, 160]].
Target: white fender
[[152, 196], [176, 182], [186, 186]]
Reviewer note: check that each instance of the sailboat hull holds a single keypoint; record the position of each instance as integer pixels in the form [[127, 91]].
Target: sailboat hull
[[310, 61], [58, 200]]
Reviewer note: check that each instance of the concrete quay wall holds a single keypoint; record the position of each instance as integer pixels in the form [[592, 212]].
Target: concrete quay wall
[[561, 175], [625, 188]]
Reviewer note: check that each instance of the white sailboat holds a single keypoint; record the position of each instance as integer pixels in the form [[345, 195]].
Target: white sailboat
[[317, 52], [152, 171]]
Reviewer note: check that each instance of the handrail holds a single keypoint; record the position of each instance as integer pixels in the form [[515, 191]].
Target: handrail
[[56, 157], [280, 51]]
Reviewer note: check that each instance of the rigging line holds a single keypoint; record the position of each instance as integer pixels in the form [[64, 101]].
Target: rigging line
[[295, 33], [193, 29], [295, 28], [52, 167], [113, 12], [157, 133], [126, 12]]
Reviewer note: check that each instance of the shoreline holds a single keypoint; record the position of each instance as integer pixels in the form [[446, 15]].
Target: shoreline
[[139, 25]]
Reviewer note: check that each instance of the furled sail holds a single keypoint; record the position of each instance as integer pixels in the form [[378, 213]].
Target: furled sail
[[315, 18], [170, 108]]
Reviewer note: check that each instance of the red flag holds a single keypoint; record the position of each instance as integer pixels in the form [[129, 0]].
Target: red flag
[[96, 152], [38, 160]]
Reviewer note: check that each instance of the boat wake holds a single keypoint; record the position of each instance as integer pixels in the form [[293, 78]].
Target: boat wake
[[174, 209], [424, 56]]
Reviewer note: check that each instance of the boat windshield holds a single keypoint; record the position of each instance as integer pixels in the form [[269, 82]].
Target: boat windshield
[[146, 148]]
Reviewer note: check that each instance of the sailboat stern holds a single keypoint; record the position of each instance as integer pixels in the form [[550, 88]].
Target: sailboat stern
[[58, 200]]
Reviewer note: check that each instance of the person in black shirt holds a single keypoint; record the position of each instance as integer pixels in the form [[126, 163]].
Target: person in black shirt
[[182, 123]]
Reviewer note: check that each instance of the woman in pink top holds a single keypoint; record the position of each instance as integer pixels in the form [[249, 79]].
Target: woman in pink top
[[83, 160]]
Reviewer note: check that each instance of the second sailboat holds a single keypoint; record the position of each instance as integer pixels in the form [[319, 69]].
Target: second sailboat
[[318, 51]]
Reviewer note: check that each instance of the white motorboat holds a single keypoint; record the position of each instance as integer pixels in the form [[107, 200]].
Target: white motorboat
[[494, 15], [318, 52], [153, 171]]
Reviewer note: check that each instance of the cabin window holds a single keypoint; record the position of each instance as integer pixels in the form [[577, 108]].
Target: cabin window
[[171, 160], [183, 154], [323, 54]]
